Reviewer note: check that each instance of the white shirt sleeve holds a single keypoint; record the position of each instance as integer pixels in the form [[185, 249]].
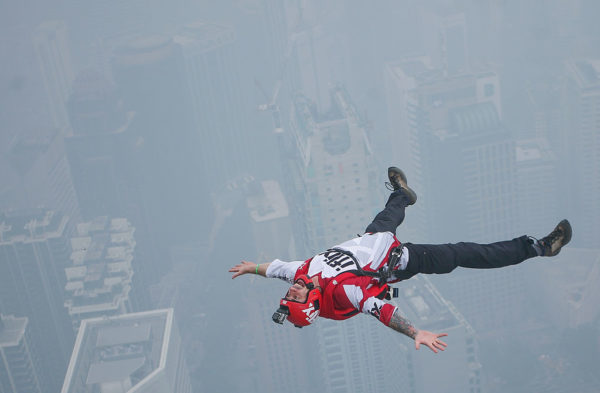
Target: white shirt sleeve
[[283, 270]]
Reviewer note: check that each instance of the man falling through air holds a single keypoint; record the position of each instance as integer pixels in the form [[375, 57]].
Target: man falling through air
[[354, 276]]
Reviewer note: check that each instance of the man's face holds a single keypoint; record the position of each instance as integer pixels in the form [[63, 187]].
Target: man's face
[[297, 292]]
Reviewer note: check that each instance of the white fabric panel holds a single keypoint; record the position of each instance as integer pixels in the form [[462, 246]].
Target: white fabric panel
[[354, 294], [283, 270]]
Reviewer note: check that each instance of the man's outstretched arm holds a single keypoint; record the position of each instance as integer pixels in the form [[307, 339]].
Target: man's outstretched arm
[[249, 267], [431, 340], [275, 269]]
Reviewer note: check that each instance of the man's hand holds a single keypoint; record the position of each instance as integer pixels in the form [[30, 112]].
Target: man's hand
[[243, 268], [432, 340]]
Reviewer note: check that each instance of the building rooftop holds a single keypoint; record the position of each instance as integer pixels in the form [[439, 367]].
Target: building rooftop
[[268, 203], [12, 330], [425, 306], [138, 51], [531, 150], [102, 256], [414, 67], [586, 72], [204, 36], [118, 353], [30, 225]]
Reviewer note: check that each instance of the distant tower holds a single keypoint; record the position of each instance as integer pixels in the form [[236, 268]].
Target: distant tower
[[333, 171], [335, 197], [220, 102], [51, 44], [167, 141], [106, 154], [271, 229], [580, 139], [34, 253], [431, 114], [139, 352], [101, 149], [19, 365], [538, 204], [449, 133], [42, 173], [317, 49], [447, 43], [99, 283]]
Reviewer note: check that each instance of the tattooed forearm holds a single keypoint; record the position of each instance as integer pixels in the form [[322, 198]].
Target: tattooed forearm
[[402, 325]]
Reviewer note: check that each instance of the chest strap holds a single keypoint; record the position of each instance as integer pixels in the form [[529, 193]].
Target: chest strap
[[384, 273]]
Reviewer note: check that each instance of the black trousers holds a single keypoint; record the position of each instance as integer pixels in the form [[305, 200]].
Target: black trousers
[[443, 258]]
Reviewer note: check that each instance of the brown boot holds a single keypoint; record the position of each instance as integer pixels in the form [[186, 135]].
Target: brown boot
[[398, 181], [559, 237]]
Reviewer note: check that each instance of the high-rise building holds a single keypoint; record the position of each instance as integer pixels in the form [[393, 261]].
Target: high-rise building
[[352, 355], [462, 161], [41, 173], [99, 282], [581, 142], [446, 43], [19, 364], [538, 202], [335, 187], [270, 216], [140, 352], [458, 369], [333, 198], [150, 75], [106, 154], [271, 233], [51, 44], [102, 149], [221, 103], [432, 114], [34, 252]]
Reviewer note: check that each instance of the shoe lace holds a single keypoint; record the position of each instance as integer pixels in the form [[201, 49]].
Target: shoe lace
[[554, 235]]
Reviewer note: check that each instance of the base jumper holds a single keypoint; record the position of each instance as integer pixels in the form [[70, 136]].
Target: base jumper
[[354, 276]]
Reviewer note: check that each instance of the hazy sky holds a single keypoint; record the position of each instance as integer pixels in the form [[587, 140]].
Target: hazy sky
[[197, 126]]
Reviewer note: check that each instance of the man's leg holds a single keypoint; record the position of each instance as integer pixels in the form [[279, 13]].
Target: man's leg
[[443, 258], [391, 216]]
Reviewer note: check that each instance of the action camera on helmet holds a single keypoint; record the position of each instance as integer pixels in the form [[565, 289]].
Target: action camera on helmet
[[300, 313]]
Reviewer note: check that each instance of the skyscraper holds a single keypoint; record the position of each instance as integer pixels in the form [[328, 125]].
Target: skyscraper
[[333, 172], [581, 140], [99, 283], [19, 364], [41, 173], [279, 352], [170, 173], [461, 160], [538, 203], [432, 115], [333, 199], [51, 44], [139, 352], [220, 103], [33, 253], [106, 154]]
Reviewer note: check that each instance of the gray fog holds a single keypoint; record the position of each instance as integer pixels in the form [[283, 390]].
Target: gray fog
[[147, 146]]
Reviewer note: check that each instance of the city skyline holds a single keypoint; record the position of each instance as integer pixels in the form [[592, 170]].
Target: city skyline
[[146, 147]]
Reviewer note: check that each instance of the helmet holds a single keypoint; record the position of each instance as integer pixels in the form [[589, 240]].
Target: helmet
[[300, 313]]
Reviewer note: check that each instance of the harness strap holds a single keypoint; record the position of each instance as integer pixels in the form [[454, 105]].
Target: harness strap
[[384, 273]]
